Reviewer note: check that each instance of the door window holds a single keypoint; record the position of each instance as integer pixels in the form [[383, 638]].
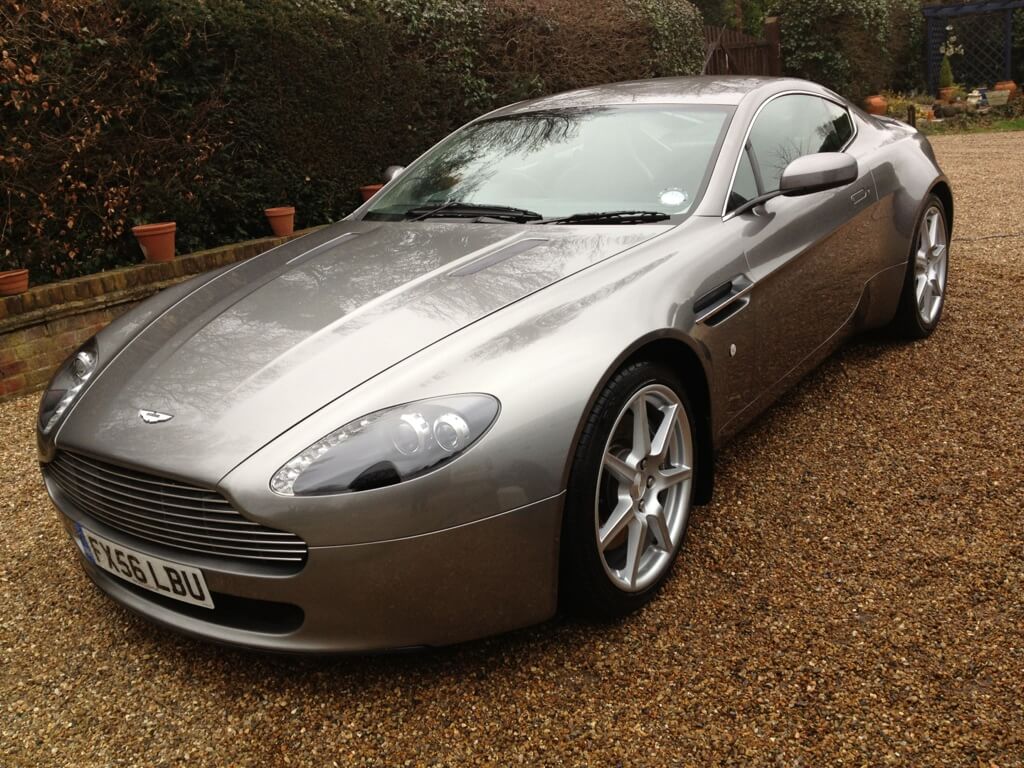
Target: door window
[[787, 128], [744, 188]]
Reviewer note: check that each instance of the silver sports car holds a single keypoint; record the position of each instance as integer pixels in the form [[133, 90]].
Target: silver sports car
[[498, 386]]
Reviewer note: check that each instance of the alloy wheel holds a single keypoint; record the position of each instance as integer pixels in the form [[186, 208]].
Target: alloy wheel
[[644, 488], [930, 265]]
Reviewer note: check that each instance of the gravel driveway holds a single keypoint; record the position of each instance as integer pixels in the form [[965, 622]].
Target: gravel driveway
[[855, 595]]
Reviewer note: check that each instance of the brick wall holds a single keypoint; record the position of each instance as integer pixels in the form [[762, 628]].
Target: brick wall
[[40, 328]]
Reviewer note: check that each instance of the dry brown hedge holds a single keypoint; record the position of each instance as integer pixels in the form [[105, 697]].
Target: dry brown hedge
[[116, 112]]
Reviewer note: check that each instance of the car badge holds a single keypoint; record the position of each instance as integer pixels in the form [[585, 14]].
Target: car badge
[[154, 417]]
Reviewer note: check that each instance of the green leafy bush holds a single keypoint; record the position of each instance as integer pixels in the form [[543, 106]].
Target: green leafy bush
[[747, 16], [673, 28], [119, 112], [855, 47]]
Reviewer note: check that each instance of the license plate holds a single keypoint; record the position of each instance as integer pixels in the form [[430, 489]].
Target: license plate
[[174, 580]]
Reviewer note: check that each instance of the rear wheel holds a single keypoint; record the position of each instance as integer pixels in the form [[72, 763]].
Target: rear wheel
[[629, 494], [924, 288]]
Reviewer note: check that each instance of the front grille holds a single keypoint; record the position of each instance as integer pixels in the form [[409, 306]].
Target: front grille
[[170, 513]]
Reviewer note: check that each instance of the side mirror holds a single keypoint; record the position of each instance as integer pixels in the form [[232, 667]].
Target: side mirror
[[815, 173], [392, 172]]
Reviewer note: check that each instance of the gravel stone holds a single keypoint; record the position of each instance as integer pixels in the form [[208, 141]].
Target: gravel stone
[[853, 596]]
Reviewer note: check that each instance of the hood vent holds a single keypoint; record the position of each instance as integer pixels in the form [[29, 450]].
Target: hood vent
[[496, 256]]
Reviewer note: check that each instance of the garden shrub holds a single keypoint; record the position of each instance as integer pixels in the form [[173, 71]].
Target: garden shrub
[[746, 16], [79, 98], [855, 47], [545, 46], [673, 26], [946, 74], [118, 112]]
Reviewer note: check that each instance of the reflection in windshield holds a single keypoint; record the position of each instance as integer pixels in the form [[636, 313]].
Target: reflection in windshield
[[562, 162]]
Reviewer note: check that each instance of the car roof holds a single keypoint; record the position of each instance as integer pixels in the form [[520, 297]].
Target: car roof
[[708, 89]]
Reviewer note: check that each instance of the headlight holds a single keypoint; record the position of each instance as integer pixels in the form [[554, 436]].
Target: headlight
[[66, 384], [387, 447]]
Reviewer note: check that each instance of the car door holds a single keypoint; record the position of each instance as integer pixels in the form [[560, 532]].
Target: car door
[[806, 255]]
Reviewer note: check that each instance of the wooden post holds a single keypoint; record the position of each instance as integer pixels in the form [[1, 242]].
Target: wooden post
[[912, 115], [933, 63], [773, 36], [1007, 44]]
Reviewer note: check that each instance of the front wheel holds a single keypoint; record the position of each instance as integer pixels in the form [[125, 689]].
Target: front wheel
[[924, 288], [630, 492]]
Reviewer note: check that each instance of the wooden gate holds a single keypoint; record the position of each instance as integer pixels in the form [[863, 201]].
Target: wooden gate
[[730, 52]]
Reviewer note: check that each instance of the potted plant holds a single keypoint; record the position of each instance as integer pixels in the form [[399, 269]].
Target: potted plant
[[998, 98], [950, 47], [876, 104], [391, 173], [282, 220], [1006, 85], [156, 240], [369, 190], [13, 282], [946, 85]]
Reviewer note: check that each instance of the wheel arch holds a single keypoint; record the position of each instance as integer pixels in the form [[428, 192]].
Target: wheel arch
[[681, 355], [944, 192]]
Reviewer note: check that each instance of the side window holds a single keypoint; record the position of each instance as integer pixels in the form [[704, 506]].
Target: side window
[[842, 126], [793, 126]]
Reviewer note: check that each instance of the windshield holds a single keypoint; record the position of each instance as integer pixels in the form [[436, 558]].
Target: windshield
[[548, 165]]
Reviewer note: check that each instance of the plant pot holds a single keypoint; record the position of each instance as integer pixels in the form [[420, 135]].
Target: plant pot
[[946, 94], [998, 98], [282, 220], [370, 190], [156, 240], [876, 105], [13, 282], [1007, 85]]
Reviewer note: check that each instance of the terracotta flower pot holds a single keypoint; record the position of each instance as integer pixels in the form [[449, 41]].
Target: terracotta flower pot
[[946, 94], [370, 190], [156, 240], [13, 282], [282, 220], [876, 105], [1007, 85]]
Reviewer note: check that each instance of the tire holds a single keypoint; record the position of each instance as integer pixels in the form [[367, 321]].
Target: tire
[[640, 505], [919, 309]]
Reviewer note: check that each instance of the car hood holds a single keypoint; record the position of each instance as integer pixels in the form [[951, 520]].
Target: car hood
[[258, 348]]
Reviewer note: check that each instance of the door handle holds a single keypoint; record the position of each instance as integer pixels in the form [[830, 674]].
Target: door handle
[[724, 301], [859, 196]]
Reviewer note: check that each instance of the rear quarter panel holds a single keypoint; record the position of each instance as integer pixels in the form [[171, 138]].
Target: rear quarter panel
[[905, 171]]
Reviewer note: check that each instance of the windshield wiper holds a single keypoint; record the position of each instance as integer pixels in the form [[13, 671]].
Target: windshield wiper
[[461, 210], [609, 217]]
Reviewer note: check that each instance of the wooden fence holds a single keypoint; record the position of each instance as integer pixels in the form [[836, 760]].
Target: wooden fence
[[730, 52]]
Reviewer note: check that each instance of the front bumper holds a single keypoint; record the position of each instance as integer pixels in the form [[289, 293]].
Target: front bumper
[[433, 589]]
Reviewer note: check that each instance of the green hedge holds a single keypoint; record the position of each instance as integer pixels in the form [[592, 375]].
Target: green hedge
[[747, 15], [118, 112], [855, 47]]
